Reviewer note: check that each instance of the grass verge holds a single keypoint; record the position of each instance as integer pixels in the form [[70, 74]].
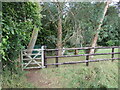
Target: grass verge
[[15, 80], [97, 75], [102, 74]]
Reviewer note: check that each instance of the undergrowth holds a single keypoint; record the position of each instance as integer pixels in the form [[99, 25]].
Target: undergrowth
[[15, 79]]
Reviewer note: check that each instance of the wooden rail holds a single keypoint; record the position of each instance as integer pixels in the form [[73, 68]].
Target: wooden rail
[[82, 55], [40, 57], [85, 61], [33, 60], [87, 55], [83, 48]]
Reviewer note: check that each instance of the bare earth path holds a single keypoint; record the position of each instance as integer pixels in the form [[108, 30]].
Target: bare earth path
[[41, 81]]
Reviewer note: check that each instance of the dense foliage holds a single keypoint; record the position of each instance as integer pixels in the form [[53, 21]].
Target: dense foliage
[[110, 33], [79, 23], [18, 21]]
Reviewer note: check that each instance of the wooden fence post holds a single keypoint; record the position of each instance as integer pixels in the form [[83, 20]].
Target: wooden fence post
[[21, 60], [112, 54], [76, 52], [43, 57], [44, 62], [87, 58], [56, 57]]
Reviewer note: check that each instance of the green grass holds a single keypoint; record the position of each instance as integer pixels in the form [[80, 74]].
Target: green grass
[[81, 58], [96, 75], [15, 80], [98, 51], [102, 74]]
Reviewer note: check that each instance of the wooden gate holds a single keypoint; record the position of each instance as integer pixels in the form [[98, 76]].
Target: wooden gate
[[32, 59]]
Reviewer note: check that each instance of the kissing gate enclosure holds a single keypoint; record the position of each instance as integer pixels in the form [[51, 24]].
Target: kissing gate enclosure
[[37, 58]]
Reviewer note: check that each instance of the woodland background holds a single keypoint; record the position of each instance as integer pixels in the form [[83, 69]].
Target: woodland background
[[55, 25]]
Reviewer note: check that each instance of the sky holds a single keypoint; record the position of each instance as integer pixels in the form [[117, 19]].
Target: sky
[[116, 0]]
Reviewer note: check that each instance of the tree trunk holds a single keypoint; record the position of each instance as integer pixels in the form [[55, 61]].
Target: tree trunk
[[59, 40], [94, 42], [33, 40], [76, 52], [59, 32]]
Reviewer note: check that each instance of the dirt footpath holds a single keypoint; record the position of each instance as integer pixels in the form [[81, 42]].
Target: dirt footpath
[[40, 80]]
